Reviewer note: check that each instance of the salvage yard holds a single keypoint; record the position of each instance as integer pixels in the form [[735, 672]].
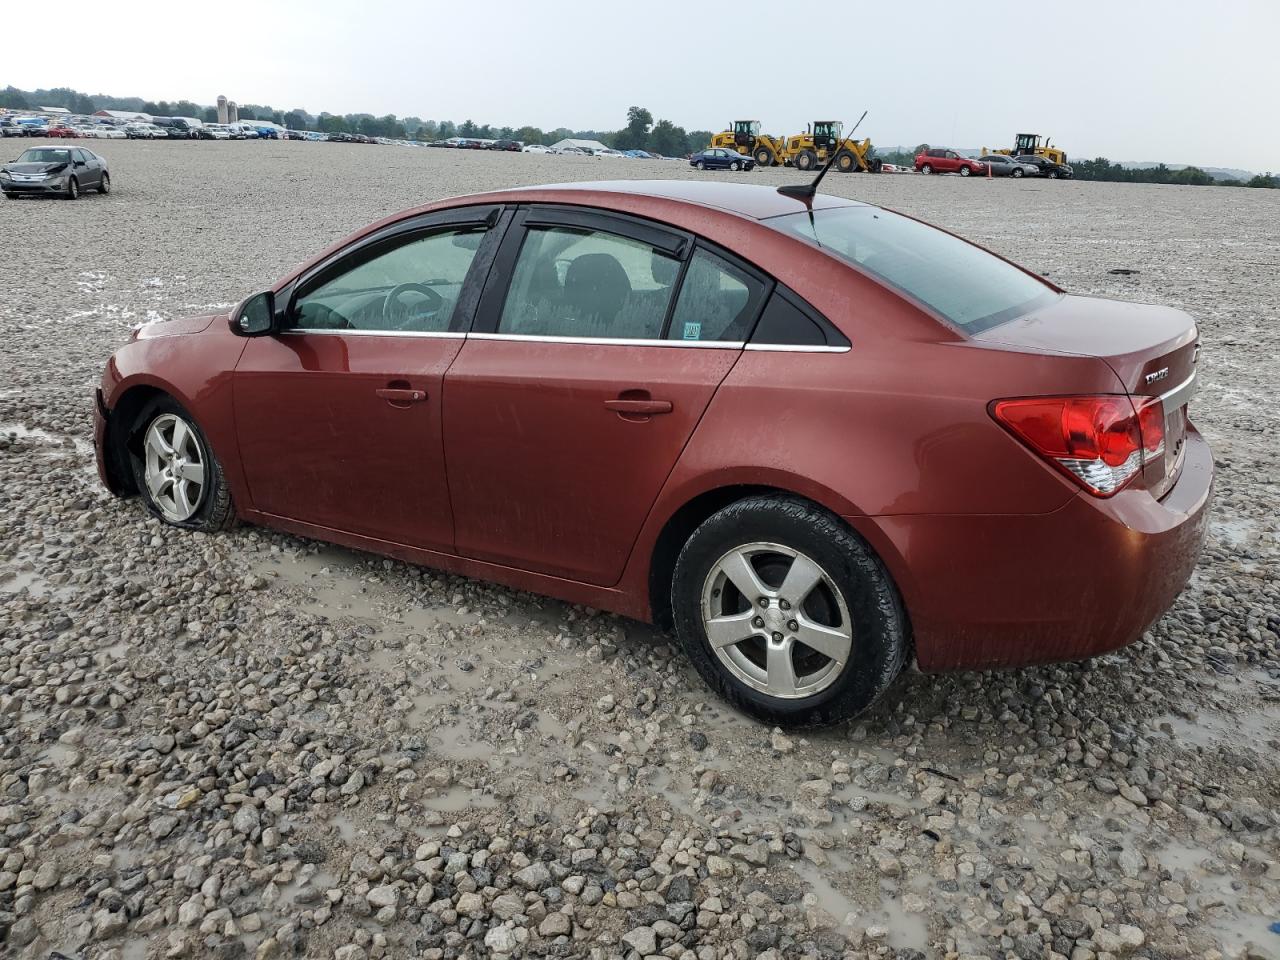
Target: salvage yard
[[255, 745]]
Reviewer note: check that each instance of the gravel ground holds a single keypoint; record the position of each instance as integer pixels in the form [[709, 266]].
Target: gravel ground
[[255, 745]]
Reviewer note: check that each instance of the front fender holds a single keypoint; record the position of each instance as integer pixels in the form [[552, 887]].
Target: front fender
[[197, 371]]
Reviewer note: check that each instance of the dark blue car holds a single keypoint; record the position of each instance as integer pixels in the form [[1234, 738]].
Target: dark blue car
[[718, 158]]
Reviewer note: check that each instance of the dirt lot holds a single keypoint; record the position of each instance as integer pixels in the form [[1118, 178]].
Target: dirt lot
[[252, 744]]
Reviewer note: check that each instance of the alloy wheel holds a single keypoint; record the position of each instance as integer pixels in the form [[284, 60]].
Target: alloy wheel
[[174, 467], [776, 620]]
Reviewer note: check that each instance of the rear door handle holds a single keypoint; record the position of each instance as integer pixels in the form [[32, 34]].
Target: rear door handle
[[639, 407], [400, 395]]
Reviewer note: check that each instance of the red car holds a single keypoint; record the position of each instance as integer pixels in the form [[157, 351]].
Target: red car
[[938, 160], [819, 438], [61, 132]]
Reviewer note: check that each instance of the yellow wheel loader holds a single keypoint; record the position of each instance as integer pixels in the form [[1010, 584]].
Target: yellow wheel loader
[[1029, 143], [811, 149], [745, 137]]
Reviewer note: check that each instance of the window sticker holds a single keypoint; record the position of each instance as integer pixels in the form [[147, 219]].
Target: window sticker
[[692, 331]]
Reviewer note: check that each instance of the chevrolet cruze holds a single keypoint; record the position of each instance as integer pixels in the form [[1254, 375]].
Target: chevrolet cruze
[[815, 437]]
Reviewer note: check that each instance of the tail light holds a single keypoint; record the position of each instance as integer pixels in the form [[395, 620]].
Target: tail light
[[1101, 442]]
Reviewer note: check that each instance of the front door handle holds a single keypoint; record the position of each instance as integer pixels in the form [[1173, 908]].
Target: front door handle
[[644, 408], [400, 396]]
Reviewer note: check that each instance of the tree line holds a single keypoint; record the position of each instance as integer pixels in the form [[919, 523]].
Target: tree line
[[640, 132]]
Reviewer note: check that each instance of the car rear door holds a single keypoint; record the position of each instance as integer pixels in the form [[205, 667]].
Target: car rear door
[[569, 405], [339, 415]]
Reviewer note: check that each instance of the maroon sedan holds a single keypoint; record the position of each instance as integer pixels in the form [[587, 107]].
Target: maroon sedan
[[817, 439]]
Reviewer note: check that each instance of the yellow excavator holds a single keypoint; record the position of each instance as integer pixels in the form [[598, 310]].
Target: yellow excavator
[[745, 137], [1029, 143]]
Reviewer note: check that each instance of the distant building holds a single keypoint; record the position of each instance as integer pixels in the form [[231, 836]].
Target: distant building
[[223, 115], [233, 112], [129, 115], [57, 111], [592, 145]]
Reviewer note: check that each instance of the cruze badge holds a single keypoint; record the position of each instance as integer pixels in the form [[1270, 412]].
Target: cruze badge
[[1157, 375]]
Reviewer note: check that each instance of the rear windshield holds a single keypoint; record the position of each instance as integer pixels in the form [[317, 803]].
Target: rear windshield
[[966, 285]]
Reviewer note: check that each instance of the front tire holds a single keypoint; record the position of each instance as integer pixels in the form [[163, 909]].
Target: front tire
[[965, 171], [735, 165], [179, 478], [763, 157], [787, 613], [926, 169], [73, 188], [845, 162], [698, 165], [1017, 172], [1053, 174], [104, 185]]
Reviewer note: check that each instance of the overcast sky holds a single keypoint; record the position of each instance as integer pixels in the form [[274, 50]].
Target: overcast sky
[[1178, 81]]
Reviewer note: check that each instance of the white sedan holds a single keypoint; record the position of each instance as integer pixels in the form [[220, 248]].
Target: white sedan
[[107, 132]]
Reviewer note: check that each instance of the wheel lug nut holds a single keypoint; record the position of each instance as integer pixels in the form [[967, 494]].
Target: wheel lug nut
[[764, 601], [758, 622], [792, 626], [777, 638], [784, 605]]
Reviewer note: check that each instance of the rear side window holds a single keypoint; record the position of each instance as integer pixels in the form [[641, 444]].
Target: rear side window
[[573, 282], [717, 301], [965, 284], [785, 322]]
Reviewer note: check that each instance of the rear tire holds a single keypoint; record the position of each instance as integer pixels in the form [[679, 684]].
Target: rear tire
[[175, 471], [73, 188], [806, 160], [1053, 174], [819, 581]]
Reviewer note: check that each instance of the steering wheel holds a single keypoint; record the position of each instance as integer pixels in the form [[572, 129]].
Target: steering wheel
[[397, 316]]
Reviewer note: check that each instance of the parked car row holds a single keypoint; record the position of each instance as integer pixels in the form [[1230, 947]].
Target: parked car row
[[943, 160]]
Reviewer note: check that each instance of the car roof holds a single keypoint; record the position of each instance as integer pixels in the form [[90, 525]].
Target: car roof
[[752, 201]]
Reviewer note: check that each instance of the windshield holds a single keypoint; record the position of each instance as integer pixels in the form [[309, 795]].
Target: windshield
[[45, 155], [966, 285]]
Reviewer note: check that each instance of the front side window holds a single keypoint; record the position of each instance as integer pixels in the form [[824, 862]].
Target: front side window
[[717, 301], [573, 282], [413, 287], [963, 283]]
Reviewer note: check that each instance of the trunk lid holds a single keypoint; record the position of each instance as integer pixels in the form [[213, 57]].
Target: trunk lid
[[1152, 349]]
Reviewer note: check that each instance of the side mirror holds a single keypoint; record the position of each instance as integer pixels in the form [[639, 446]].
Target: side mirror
[[256, 316]]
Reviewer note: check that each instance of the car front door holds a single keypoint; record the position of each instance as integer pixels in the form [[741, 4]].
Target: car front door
[[88, 170], [568, 406], [339, 414]]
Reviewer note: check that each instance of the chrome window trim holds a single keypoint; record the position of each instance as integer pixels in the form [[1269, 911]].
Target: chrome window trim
[[419, 334], [536, 338], [1180, 395], [796, 348], [614, 341]]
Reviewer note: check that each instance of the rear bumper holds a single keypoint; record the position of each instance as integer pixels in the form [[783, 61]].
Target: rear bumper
[[1002, 591]]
